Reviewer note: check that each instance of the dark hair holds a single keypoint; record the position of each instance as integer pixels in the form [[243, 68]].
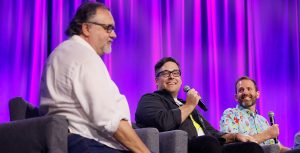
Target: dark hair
[[245, 78], [85, 12], [162, 61]]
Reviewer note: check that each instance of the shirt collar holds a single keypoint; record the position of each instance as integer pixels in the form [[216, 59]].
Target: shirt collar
[[169, 96], [249, 112], [179, 103], [80, 40]]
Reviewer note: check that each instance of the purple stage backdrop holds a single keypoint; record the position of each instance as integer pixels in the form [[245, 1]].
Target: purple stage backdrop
[[216, 41]]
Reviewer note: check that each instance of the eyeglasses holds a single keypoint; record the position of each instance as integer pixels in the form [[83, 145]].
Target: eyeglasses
[[166, 73], [108, 27]]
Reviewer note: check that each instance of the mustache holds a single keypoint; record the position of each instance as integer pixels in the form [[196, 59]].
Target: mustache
[[246, 95]]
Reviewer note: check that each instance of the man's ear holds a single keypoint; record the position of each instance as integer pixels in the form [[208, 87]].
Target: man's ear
[[236, 97], [257, 93], [156, 81], [85, 29]]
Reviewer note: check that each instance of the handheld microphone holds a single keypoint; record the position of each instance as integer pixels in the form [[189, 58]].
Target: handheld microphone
[[272, 121], [200, 103]]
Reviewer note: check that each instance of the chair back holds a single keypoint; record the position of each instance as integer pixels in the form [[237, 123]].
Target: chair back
[[297, 141], [20, 109]]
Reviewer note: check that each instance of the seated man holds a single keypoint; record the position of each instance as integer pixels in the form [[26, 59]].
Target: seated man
[[244, 118], [76, 84], [163, 110]]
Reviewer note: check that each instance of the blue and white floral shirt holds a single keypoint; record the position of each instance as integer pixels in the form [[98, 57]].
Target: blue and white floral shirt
[[243, 121]]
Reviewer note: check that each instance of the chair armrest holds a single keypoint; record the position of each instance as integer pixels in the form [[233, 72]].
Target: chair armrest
[[175, 141], [271, 148], [150, 136], [47, 134]]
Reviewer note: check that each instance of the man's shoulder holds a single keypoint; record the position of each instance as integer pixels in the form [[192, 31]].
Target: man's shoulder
[[231, 111], [150, 95], [156, 96], [72, 51], [72, 46]]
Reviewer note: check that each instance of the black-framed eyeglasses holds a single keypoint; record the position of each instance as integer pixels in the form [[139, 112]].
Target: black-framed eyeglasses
[[167, 73], [108, 27]]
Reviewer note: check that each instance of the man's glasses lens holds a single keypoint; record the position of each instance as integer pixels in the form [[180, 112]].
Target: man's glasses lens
[[166, 73], [108, 27]]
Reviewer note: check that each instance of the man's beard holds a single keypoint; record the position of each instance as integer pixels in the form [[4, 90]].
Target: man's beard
[[248, 103], [107, 49]]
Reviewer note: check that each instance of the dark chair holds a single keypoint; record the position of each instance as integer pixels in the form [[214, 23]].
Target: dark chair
[[19, 109], [28, 132], [174, 141], [297, 141], [273, 148], [35, 135]]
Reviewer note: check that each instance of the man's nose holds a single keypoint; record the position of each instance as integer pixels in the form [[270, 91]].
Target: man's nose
[[246, 91], [171, 76], [113, 34]]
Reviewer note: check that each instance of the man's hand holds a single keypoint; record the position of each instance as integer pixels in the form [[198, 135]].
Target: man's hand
[[273, 131], [232, 137], [192, 98], [270, 133], [245, 138]]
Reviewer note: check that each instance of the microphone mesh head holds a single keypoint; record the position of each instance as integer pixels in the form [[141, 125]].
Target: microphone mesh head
[[271, 114], [186, 88]]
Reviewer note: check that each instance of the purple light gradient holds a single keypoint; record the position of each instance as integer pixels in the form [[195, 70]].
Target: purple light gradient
[[214, 41], [197, 53]]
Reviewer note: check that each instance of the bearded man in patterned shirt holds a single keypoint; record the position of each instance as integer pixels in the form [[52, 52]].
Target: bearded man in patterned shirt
[[244, 119]]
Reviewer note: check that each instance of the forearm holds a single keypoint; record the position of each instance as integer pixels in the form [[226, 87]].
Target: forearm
[[261, 137], [127, 137], [192, 100], [186, 110], [270, 133], [232, 137]]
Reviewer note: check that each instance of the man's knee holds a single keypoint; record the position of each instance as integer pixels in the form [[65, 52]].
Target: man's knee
[[204, 144], [254, 147]]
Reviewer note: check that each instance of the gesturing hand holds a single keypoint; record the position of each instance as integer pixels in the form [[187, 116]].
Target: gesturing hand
[[273, 131], [192, 97]]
